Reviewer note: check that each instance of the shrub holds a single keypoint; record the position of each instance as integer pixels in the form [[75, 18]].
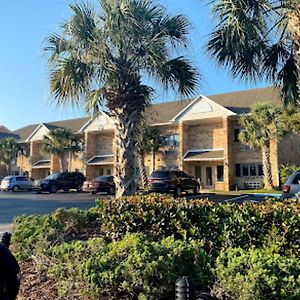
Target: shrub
[[133, 266], [217, 225], [35, 235], [256, 274], [286, 170]]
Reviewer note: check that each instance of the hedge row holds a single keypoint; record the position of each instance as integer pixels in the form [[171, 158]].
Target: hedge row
[[137, 246]]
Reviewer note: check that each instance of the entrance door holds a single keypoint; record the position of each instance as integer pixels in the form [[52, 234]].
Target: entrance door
[[208, 177]]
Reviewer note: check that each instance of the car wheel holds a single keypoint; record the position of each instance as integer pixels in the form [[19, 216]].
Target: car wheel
[[53, 189], [93, 193], [178, 191], [79, 188], [196, 190], [66, 190], [15, 188]]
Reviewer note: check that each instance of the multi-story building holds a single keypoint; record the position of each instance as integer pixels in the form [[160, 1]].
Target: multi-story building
[[200, 136]]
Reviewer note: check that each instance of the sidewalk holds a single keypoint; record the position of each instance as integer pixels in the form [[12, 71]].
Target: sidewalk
[[5, 228]]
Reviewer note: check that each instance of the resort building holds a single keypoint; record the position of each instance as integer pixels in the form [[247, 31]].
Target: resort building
[[199, 136]]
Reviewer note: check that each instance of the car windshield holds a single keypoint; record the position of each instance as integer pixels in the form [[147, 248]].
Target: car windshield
[[160, 174], [7, 178], [103, 178], [53, 176]]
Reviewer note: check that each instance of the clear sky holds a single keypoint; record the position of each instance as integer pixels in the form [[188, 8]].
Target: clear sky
[[24, 92]]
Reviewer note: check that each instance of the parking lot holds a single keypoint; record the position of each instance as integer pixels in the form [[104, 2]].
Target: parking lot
[[27, 203]]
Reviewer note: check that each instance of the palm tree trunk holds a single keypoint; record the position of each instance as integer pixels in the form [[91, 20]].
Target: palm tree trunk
[[294, 28], [153, 160], [141, 161], [266, 160], [8, 168], [61, 163], [126, 124]]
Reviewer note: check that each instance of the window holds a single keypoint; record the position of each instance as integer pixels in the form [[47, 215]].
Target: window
[[236, 135], [108, 172], [253, 171], [245, 170], [260, 170], [101, 171], [171, 140], [220, 173], [238, 170]]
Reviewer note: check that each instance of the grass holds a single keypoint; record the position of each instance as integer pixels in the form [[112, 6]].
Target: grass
[[239, 192]]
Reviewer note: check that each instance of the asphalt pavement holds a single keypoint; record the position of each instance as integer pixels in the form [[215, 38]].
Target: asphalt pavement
[[28, 203]]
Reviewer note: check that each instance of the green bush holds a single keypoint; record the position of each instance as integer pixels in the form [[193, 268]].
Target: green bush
[[133, 266], [35, 235], [256, 274], [217, 225], [286, 170]]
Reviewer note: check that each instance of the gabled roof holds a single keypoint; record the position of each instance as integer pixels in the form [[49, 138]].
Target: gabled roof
[[237, 102], [73, 124]]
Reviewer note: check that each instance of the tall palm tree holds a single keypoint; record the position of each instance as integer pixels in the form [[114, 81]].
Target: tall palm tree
[[8, 152], [100, 57], [60, 142], [252, 38], [294, 28], [148, 141], [263, 125]]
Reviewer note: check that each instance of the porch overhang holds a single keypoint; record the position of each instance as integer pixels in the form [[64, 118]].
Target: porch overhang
[[99, 160], [204, 155], [42, 164]]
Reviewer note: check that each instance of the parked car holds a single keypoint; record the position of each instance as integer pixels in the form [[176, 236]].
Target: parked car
[[172, 182], [100, 184], [292, 185], [16, 183], [60, 181]]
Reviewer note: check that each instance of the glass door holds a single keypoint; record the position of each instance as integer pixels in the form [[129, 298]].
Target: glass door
[[208, 177]]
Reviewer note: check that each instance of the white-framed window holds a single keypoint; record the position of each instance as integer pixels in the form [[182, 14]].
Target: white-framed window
[[171, 140], [249, 170]]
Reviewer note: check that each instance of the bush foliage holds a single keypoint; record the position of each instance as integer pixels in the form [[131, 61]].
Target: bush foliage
[[257, 274], [107, 244], [135, 265]]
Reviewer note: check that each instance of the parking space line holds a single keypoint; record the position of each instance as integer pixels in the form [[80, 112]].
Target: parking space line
[[236, 198]]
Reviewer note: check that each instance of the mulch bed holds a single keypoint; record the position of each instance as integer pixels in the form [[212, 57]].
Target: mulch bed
[[36, 285]]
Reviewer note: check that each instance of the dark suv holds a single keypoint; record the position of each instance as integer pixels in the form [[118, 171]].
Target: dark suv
[[60, 181], [172, 182]]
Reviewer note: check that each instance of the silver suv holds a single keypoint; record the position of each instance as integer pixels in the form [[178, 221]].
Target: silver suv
[[292, 185], [16, 183]]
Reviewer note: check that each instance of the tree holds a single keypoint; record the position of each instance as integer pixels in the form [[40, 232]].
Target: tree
[[60, 142], [263, 125], [148, 141], [8, 152], [101, 57], [259, 39]]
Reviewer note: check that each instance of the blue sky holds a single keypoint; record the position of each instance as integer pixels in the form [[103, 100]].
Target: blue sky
[[24, 92]]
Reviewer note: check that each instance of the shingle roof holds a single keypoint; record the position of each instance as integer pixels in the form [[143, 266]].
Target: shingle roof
[[238, 102], [6, 133], [101, 160], [73, 124], [204, 155], [245, 99]]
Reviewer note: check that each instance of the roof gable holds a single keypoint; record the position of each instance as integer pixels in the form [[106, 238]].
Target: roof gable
[[39, 133], [202, 108], [101, 121]]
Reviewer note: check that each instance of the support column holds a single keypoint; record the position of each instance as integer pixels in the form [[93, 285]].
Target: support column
[[228, 167]]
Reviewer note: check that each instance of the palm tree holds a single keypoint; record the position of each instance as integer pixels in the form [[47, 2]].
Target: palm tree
[[101, 57], [8, 152], [148, 141], [263, 125], [252, 38], [60, 142], [294, 28]]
